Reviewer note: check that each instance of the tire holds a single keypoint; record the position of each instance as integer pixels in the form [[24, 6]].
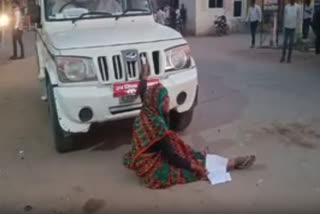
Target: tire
[[181, 121], [63, 141]]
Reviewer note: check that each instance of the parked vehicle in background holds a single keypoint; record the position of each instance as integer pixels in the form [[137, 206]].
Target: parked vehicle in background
[[89, 55], [221, 26]]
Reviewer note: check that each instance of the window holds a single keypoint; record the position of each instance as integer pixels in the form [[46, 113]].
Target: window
[[215, 3], [72, 9], [237, 8]]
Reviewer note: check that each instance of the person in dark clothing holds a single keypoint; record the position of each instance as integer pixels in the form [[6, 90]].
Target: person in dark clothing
[[17, 31], [173, 18], [33, 13], [316, 28], [307, 16], [158, 155], [183, 17]]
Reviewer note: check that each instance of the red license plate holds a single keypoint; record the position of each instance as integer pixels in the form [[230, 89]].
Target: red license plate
[[129, 88]]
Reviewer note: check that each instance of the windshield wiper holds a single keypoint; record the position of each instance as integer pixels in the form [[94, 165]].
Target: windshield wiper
[[99, 14], [130, 10]]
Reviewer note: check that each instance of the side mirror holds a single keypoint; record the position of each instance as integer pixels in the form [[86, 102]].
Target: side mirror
[[36, 16]]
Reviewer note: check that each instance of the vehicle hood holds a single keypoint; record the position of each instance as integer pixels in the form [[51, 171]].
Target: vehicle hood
[[89, 37]]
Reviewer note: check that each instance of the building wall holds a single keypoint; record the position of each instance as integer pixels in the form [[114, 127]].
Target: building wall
[[205, 16], [201, 17], [237, 24]]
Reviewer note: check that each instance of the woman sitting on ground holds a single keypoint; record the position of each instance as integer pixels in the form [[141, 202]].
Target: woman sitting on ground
[[158, 155]]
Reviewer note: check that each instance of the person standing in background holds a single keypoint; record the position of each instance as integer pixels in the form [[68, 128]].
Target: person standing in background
[[161, 16], [254, 17], [17, 31], [307, 16], [173, 18], [291, 19], [167, 12], [178, 20], [316, 27], [32, 9], [183, 17]]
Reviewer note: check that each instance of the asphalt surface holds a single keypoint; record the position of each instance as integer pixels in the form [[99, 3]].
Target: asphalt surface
[[249, 104]]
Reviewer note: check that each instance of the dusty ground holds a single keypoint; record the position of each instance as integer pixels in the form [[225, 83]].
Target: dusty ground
[[249, 103]]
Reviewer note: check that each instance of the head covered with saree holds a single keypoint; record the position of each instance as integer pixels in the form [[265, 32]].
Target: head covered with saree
[[152, 124]]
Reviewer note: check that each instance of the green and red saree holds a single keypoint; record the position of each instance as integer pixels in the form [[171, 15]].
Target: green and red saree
[[149, 128]]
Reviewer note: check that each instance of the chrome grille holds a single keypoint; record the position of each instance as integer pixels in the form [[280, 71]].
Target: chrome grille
[[132, 68], [103, 67], [115, 67], [156, 62]]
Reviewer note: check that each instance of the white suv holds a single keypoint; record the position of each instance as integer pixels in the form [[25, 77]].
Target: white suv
[[89, 55]]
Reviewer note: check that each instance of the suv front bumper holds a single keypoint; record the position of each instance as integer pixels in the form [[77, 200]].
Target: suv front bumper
[[71, 100]]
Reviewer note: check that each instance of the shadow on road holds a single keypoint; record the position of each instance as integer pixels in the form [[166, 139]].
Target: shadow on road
[[107, 136]]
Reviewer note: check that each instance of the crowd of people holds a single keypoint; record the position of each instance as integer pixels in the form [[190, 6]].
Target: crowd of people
[[292, 15], [175, 18]]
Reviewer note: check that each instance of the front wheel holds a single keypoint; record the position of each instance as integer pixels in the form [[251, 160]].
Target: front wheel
[[63, 141], [180, 121]]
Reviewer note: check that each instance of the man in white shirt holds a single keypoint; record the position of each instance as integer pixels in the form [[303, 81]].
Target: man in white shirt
[[307, 17], [254, 17], [291, 19], [17, 31], [161, 16]]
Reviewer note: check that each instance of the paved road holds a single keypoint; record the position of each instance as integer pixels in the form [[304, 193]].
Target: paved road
[[249, 103], [6, 46]]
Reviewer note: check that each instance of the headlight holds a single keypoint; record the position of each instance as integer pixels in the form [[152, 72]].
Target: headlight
[[178, 58], [4, 20], [74, 69]]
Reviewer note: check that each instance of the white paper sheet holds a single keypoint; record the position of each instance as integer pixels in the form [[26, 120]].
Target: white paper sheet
[[217, 169], [219, 177], [215, 162]]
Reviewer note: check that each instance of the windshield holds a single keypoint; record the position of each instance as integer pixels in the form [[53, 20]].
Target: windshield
[[72, 9]]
